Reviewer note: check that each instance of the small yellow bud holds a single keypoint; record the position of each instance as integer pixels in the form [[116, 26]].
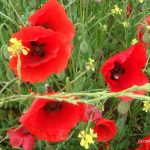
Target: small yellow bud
[[148, 27], [141, 1], [104, 27], [134, 41], [125, 24], [116, 10], [146, 106], [90, 64]]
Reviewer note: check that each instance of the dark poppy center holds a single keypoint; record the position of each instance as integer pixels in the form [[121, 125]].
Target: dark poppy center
[[117, 71], [37, 49], [25, 131], [46, 26], [52, 106]]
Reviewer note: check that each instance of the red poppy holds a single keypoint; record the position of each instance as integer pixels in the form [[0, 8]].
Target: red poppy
[[144, 143], [51, 120], [89, 111], [142, 29], [105, 129], [48, 53], [124, 70], [21, 137], [53, 16]]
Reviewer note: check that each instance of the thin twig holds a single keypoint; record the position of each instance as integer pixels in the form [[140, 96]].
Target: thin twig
[[7, 84]]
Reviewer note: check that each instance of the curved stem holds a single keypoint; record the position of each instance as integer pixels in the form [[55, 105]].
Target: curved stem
[[7, 84]]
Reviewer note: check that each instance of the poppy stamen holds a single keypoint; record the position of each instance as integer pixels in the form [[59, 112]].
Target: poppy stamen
[[117, 71], [37, 49], [46, 26], [52, 106], [25, 131]]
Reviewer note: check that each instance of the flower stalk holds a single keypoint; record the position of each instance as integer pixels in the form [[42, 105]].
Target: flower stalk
[[19, 72], [91, 98]]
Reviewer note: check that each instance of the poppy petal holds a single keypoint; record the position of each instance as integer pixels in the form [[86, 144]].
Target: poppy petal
[[50, 125], [52, 15], [105, 129], [28, 142]]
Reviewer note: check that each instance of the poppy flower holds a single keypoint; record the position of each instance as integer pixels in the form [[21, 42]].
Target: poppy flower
[[143, 29], [89, 111], [51, 120], [53, 16], [21, 137], [124, 70], [144, 143], [48, 53], [105, 129]]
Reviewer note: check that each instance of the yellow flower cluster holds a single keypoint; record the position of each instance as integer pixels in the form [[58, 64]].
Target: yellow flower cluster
[[134, 41], [104, 27], [125, 24], [87, 138], [141, 1], [148, 27], [146, 106], [17, 47], [116, 10], [90, 64]]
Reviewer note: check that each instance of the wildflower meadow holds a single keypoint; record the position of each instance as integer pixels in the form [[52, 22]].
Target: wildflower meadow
[[74, 74]]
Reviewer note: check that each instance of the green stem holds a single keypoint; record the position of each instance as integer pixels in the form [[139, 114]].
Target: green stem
[[27, 1], [7, 84], [19, 72], [100, 20], [57, 83], [16, 13], [83, 73], [6, 17], [88, 98]]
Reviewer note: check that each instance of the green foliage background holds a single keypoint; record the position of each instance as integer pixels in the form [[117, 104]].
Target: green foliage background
[[92, 41]]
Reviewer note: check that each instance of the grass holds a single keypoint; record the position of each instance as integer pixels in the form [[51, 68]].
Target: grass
[[92, 41]]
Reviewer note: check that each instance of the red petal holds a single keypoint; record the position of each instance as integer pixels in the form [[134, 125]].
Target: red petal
[[87, 110], [54, 16], [51, 126], [16, 137], [144, 143], [39, 35], [105, 129], [55, 60], [28, 142], [141, 29], [134, 57]]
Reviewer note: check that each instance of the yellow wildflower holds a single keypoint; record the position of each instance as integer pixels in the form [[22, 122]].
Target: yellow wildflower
[[148, 27], [16, 47], [146, 106], [141, 1], [125, 24], [90, 64], [116, 10], [134, 41], [87, 138], [104, 27]]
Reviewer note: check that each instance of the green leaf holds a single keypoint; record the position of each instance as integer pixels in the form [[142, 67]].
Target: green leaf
[[146, 37], [123, 107], [83, 46]]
